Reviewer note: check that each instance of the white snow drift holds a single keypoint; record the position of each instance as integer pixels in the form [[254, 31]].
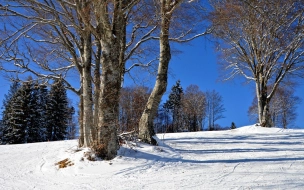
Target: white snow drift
[[246, 158]]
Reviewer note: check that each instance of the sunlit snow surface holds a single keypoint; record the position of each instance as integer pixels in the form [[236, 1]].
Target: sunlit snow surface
[[246, 158]]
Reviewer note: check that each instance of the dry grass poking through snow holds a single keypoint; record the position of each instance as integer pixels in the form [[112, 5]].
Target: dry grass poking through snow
[[64, 163]]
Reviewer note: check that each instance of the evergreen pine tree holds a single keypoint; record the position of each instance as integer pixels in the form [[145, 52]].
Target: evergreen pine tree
[[174, 104], [57, 112], [71, 128], [17, 118], [6, 109], [35, 116], [31, 114], [13, 89], [1, 131], [42, 110], [233, 126]]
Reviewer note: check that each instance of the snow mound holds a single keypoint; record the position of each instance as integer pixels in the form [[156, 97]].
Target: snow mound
[[249, 157], [257, 129]]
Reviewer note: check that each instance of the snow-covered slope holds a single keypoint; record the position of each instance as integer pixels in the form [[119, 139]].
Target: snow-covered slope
[[246, 158]]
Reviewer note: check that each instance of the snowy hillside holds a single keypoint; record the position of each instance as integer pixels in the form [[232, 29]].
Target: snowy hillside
[[246, 158]]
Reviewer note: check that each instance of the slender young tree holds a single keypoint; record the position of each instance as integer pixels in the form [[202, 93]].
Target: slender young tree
[[215, 108], [233, 126], [168, 14], [162, 121], [146, 129]]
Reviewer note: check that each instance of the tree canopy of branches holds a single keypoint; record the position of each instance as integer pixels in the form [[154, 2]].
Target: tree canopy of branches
[[261, 41]]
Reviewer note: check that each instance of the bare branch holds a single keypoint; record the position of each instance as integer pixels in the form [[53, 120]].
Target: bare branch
[[140, 65]]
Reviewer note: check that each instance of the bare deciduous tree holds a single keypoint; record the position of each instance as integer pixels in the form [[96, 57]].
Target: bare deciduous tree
[[146, 130], [215, 108], [132, 104], [261, 41], [282, 107], [194, 108], [168, 12]]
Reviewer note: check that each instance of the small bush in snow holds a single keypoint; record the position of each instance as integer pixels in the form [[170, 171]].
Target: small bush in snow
[[233, 126]]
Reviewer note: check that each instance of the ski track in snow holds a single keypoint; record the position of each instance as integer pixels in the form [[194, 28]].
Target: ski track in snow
[[246, 158]]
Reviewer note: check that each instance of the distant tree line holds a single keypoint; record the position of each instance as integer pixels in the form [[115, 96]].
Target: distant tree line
[[32, 113], [195, 110], [131, 105], [187, 110], [190, 110]]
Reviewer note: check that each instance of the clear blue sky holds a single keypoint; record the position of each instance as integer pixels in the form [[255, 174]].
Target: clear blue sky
[[197, 65]]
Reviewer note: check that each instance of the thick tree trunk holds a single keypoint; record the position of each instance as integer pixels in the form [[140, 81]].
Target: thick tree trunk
[[146, 128], [263, 105], [108, 105], [266, 117], [112, 60]]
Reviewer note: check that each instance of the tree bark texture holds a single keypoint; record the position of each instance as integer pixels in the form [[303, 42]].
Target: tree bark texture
[[89, 132], [97, 83], [112, 40], [263, 104], [80, 121]]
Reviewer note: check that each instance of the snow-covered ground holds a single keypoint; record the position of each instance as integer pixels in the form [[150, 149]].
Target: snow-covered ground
[[246, 158]]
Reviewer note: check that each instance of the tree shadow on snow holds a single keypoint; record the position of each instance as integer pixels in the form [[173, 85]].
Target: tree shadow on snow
[[266, 143]]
